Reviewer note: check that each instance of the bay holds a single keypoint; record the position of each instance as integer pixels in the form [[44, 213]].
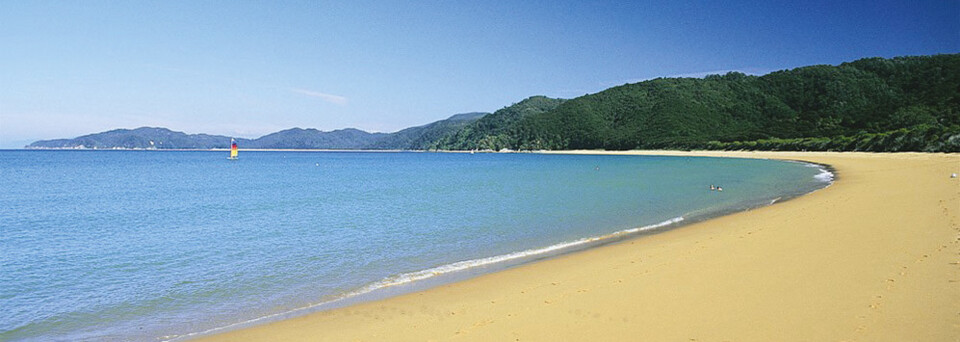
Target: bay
[[156, 245]]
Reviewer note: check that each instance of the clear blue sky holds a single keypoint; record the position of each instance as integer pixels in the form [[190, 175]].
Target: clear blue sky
[[247, 68]]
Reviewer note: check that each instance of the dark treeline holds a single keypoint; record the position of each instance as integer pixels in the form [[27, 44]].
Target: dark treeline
[[873, 104]]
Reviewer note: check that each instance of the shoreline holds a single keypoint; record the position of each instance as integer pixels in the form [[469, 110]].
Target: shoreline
[[367, 327], [465, 270]]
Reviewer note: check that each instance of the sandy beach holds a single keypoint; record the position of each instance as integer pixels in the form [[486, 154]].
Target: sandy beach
[[874, 257]]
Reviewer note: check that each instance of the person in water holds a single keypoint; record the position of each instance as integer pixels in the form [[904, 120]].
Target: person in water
[[719, 188], [712, 187]]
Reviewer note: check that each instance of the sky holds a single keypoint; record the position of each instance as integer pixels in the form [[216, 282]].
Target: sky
[[249, 68]]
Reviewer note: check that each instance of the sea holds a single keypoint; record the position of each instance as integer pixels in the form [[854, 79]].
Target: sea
[[170, 245]]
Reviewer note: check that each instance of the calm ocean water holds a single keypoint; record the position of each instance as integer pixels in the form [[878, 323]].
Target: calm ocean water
[[154, 245]]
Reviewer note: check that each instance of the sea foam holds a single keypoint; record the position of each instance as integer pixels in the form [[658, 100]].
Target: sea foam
[[411, 277], [467, 264], [824, 175]]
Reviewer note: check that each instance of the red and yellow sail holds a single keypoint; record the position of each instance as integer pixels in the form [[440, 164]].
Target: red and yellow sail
[[233, 149]]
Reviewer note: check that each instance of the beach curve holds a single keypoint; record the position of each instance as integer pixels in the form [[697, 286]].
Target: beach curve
[[872, 257]]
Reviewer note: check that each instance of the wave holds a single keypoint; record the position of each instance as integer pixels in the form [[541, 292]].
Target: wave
[[824, 175], [407, 278], [467, 264]]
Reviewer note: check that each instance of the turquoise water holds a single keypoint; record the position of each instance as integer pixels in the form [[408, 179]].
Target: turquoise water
[[155, 245]]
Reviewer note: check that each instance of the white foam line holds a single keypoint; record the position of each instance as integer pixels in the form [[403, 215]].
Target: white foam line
[[464, 265], [407, 278], [824, 176]]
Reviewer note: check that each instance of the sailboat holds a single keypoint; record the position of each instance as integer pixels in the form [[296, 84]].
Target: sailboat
[[233, 149]]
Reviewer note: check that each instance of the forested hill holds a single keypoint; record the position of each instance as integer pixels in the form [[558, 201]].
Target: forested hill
[[497, 130], [425, 137], [874, 104]]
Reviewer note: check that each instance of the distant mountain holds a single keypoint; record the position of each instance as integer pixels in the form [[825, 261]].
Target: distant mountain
[[414, 138], [425, 137], [299, 138], [140, 138], [162, 138]]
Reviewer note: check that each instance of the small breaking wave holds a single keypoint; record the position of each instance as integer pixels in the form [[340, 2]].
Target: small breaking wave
[[824, 176], [407, 278], [467, 264]]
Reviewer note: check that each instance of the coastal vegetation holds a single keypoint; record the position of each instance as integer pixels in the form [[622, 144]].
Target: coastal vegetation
[[872, 104], [498, 130]]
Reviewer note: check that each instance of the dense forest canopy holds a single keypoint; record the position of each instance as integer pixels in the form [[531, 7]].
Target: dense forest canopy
[[912, 102]]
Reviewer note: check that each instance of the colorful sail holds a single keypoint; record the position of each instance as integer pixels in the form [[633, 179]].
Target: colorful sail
[[233, 149]]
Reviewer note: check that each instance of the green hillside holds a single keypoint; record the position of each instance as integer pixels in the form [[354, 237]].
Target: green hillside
[[905, 103], [424, 137], [498, 130]]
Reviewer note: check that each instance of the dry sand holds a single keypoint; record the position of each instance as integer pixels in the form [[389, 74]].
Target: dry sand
[[873, 257]]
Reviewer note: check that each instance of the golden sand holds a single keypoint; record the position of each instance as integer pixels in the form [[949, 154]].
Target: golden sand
[[874, 257]]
